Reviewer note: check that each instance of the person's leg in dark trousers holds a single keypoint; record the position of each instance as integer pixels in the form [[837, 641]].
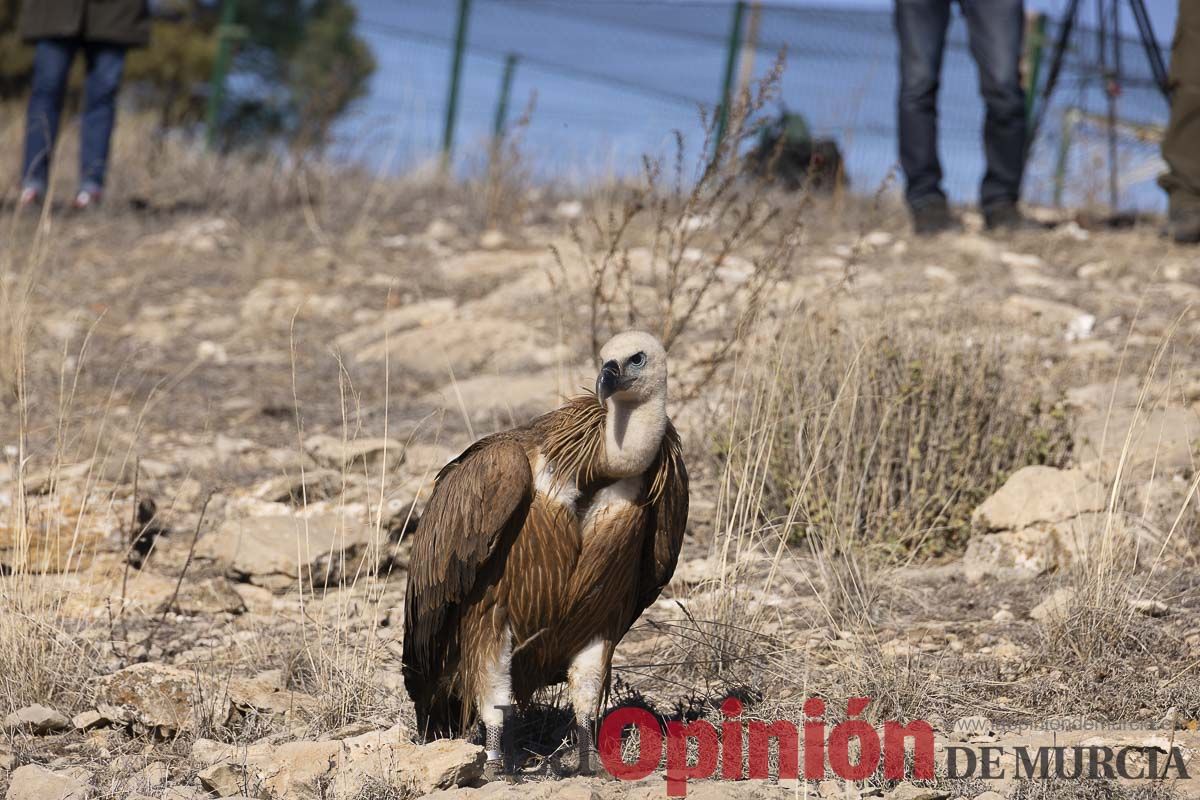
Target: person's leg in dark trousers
[[51, 65], [996, 29], [105, 65], [921, 30], [1181, 142]]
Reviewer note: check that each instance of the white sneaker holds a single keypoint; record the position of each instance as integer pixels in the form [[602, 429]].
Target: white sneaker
[[31, 197], [87, 198]]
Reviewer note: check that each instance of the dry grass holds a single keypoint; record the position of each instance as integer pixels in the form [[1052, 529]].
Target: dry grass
[[44, 658], [890, 435]]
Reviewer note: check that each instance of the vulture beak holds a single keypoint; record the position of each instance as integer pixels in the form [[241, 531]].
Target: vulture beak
[[608, 381]]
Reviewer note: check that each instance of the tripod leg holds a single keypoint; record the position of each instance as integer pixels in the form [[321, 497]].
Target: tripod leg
[[1056, 63], [1154, 55]]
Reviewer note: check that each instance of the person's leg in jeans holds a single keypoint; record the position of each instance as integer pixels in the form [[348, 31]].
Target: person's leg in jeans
[[105, 65], [51, 65], [996, 29], [921, 30]]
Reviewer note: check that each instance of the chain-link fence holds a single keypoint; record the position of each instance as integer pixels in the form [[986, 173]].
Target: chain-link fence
[[614, 78]]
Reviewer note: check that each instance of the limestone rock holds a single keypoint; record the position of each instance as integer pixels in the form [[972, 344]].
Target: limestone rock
[[223, 780], [505, 397], [1054, 606], [1023, 308], [298, 770], [414, 315], [277, 301], [1038, 494], [164, 698], [32, 782], [493, 266], [266, 694], [1161, 442], [298, 489], [387, 757], [207, 596], [287, 547], [1026, 553], [293, 771], [37, 719], [1039, 520], [462, 347], [356, 455], [152, 776], [86, 720]]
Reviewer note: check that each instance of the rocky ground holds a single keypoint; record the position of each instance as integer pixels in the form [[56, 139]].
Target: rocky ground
[[229, 414]]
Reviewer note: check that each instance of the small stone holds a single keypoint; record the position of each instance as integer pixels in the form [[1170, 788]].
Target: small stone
[[441, 231], [834, 790], [336, 453], [907, 791], [1150, 607], [569, 209], [492, 239], [86, 720], [1055, 606], [940, 274], [1003, 615], [224, 780], [877, 239]]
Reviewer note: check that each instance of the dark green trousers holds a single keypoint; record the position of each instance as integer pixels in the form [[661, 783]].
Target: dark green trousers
[[1181, 143]]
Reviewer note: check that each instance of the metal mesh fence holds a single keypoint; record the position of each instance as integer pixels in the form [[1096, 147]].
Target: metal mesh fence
[[614, 78]]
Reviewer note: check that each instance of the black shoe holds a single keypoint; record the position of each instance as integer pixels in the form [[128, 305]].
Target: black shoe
[[1183, 225], [933, 218], [1005, 217]]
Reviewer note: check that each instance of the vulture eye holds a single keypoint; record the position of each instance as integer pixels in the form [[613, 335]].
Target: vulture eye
[[637, 360]]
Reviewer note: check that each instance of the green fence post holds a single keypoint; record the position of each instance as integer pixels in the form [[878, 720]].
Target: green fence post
[[216, 90], [460, 46], [1035, 47], [506, 81], [731, 60]]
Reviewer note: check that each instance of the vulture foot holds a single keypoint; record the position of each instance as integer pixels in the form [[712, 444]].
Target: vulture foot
[[493, 770]]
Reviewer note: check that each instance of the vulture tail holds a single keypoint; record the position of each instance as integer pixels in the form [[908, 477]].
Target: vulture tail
[[438, 717]]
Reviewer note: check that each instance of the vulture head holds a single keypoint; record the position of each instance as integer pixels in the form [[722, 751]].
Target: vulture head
[[632, 386], [633, 370]]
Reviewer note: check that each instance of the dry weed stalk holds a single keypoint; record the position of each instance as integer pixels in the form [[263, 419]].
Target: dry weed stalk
[[669, 254]]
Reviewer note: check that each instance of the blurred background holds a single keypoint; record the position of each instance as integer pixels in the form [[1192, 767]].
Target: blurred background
[[586, 88]]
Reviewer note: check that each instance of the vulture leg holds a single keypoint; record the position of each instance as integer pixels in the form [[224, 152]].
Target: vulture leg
[[585, 683], [495, 700]]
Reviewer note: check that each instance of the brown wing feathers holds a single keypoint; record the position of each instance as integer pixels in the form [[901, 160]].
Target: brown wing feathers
[[479, 499], [665, 524]]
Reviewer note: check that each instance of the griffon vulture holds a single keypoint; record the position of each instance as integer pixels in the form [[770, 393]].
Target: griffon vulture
[[540, 547]]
